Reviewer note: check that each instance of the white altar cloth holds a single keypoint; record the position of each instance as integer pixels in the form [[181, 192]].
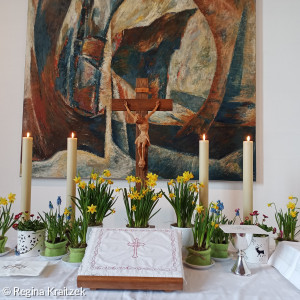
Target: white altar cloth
[[266, 283], [133, 252], [286, 259]]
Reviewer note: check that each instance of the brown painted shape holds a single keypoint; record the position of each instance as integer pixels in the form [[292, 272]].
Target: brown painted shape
[[137, 104]]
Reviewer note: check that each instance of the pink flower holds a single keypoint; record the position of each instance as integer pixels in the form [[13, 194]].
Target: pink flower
[[265, 216], [15, 226], [17, 217], [32, 215], [274, 230]]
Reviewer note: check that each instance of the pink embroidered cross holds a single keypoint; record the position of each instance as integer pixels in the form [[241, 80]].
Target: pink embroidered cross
[[135, 246]]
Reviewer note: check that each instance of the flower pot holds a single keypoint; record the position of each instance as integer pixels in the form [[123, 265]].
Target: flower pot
[[2, 244], [56, 249], [199, 258], [187, 238], [219, 250], [88, 232], [30, 243], [76, 254], [258, 250]]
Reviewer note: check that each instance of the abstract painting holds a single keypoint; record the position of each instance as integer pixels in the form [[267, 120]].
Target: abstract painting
[[81, 54]]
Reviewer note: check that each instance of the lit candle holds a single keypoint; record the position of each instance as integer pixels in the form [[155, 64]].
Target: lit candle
[[71, 171], [26, 173], [247, 177], [204, 170]]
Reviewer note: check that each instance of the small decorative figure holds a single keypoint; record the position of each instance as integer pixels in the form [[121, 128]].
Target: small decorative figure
[[143, 140]]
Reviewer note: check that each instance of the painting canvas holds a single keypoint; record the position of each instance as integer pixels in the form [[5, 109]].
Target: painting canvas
[[81, 54]]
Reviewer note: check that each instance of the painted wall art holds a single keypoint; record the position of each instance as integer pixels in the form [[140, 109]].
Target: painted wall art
[[81, 54]]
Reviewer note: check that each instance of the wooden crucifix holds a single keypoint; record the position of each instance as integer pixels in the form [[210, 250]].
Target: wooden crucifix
[[141, 105]]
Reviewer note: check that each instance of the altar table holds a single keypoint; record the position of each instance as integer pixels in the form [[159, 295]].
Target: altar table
[[215, 283]]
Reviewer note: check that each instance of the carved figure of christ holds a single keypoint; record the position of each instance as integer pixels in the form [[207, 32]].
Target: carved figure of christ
[[141, 105]]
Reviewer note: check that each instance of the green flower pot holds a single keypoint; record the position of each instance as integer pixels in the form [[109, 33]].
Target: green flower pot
[[219, 250], [57, 249], [76, 254], [199, 258], [3, 241]]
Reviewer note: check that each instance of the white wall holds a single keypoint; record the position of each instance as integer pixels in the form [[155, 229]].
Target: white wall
[[278, 109]]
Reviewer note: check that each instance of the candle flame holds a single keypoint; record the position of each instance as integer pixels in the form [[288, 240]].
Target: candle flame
[[248, 138], [72, 135], [28, 134], [203, 137]]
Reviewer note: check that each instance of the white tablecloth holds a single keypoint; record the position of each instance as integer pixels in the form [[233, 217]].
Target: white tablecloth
[[215, 283]]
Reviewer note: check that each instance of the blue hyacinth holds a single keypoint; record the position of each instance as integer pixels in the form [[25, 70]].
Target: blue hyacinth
[[58, 201], [220, 205], [237, 212], [50, 205]]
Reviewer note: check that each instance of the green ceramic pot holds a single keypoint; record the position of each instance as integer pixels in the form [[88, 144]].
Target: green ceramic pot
[[57, 249], [76, 254], [199, 258], [3, 241], [219, 250]]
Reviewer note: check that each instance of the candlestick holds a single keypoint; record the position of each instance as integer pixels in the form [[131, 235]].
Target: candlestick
[[247, 177], [26, 174], [204, 170], [71, 171]]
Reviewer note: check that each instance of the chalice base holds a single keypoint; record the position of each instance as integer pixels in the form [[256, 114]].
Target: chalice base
[[240, 267]]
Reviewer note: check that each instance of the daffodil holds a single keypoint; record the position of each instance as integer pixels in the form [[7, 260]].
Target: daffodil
[[187, 176], [179, 178], [82, 184], [101, 180], [117, 190], [92, 209], [92, 186], [77, 179], [3, 201], [113, 211], [199, 208], [269, 204], [152, 177], [154, 198], [291, 205], [110, 181], [11, 197], [133, 208], [213, 223], [291, 197], [172, 195], [94, 176], [160, 195], [106, 173], [66, 212], [216, 225], [293, 214], [201, 184], [171, 182], [138, 180]]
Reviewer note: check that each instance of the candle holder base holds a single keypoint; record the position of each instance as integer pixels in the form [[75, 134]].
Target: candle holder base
[[240, 267]]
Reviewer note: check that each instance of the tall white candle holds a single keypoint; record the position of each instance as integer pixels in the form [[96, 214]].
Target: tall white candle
[[204, 170], [26, 173], [71, 171], [247, 177]]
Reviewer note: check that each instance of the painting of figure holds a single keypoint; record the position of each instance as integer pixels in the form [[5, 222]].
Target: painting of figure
[[81, 54]]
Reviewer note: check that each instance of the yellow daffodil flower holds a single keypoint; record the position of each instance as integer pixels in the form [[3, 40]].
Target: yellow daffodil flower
[[130, 196], [138, 180], [106, 173], [160, 195], [171, 182], [92, 209], [113, 211], [152, 177], [293, 214], [179, 178], [117, 190], [291, 205], [216, 225], [82, 184], [133, 208], [101, 180], [110, 181], [3, 201], [187, 176], [193, 202], [291, 197], [94, 176], [92, 186], [199, 208], [172, 195], [269, 204], [66, 212], [11, 197], [77, 179], [201, 184], [154, 198], [144, 192], [213, 223]]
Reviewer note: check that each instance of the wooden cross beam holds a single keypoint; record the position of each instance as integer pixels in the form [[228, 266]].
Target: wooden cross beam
[[141, 105]]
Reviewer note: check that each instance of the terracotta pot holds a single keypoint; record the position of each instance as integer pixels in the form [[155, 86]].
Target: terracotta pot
[[56, 249], [199, 258], [2, 244], [76, 254], [219, 250], [31, 243]]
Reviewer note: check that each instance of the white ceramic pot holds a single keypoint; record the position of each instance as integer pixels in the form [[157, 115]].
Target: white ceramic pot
[[187, 238], [31, 243], [258, 251]]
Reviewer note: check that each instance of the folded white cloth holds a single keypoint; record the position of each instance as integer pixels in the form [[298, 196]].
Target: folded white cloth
[[286, 259], [22, 267], [133, 252]]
